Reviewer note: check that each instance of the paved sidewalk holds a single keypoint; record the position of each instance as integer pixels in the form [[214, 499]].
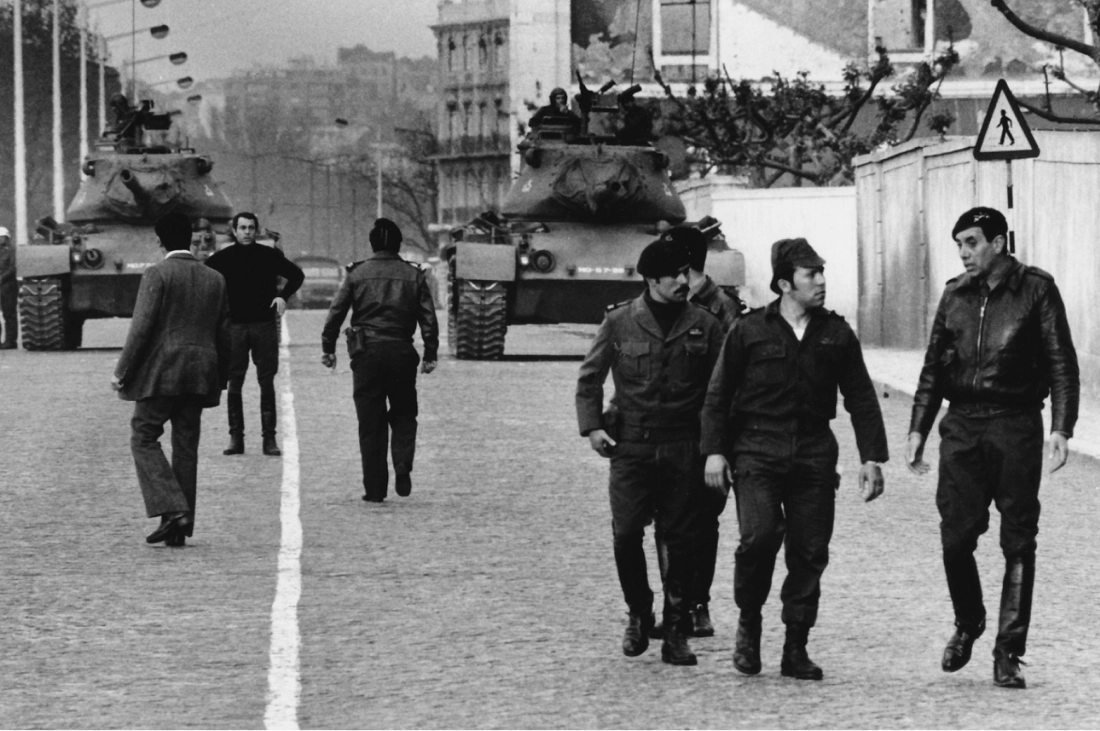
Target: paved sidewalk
[[895, 373]]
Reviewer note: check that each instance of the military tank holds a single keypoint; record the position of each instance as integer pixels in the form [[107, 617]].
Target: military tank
[[90, 266], [565, 243]]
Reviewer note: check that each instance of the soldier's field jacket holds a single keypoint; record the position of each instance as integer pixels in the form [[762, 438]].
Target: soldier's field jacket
[[659, 381], [1000, 351]]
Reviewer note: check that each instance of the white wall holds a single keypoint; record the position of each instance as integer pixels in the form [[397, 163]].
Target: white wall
[[753, 219]]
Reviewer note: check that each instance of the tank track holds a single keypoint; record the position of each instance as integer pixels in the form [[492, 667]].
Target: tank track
[[42, 315], [477, 320]]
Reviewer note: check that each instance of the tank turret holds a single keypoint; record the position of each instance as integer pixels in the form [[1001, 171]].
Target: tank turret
[[591, 193]]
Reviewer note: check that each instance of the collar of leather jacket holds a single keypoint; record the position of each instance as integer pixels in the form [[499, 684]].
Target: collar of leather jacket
[[1012, 279]]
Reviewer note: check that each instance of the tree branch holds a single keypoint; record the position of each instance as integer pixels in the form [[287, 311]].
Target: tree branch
[[1043, 35], [1052, 117]]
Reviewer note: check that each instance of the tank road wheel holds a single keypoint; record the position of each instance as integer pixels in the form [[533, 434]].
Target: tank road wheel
[[42, 314], [478, 320]]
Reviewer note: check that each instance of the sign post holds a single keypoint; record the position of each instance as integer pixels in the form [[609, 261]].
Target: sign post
[[1005, 135]]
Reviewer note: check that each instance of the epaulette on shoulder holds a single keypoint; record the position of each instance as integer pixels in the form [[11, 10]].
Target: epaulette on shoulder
[[712, 309], [617, 305], [953, 280], [1042, 274], [351, 267]]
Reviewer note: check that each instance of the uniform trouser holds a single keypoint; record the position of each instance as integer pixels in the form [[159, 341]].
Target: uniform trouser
[[385, 371], [167, 488], [982, 460], [709, 508], [785, 497], [9, 306], [261, 339], [658, 481]]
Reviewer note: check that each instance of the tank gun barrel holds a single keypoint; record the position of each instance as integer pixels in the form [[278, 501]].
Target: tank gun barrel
[[130, 181]]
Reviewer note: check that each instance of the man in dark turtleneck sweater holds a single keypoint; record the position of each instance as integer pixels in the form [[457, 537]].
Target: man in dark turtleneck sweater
[[660, 351], [255, 305]]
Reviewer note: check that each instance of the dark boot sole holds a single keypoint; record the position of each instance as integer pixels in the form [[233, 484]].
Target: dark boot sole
[[789, 673], [747, 668], [681, 661]]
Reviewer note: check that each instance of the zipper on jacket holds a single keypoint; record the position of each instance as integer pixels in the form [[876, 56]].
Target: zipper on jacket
[[981, 330]]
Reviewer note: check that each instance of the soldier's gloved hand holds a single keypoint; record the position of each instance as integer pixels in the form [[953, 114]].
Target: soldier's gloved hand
[[717, 473], [280, 305], [328, 360], [601, 442], [914, 454], [427, 366], [871, 483]]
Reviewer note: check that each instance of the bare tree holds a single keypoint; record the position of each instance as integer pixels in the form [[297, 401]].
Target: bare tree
[[1062, 43], [798, 131]]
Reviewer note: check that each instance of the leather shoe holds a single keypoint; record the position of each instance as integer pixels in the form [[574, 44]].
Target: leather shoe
[[178, 540], [675, 649], [957, 653], [369, 499], [636, 636], [403, 484], [236, 446], [1006, 670], [271, 449], [170, 528], [701, 626]]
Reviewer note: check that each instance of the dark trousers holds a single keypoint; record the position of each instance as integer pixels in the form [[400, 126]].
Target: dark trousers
[[785, 498], [9, 305], [261, 340], [984, 460], [658, 481], [385, 372], [167, 488]]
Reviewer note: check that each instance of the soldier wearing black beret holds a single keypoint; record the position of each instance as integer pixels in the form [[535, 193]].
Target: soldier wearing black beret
[[769, 404], [659, 350]]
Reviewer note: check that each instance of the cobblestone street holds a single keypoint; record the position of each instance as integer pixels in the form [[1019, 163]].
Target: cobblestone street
[[486, 599]]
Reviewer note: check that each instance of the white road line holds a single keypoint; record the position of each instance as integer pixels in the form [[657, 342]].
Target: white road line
[[284, 683]]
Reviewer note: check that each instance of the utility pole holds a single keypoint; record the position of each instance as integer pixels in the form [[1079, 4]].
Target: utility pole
[[378, 164], [83, 29], [58, 154], [21, 237]]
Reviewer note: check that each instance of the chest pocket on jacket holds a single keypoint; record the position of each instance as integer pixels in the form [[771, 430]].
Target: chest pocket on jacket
[[634, 359], [694, 361], [767, 363]]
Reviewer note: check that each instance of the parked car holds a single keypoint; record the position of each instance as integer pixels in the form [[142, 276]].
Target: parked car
[[323, 278]]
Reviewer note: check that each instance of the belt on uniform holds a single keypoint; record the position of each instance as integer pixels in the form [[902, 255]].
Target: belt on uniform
[[632, 433], [785, 424], [986, 409]]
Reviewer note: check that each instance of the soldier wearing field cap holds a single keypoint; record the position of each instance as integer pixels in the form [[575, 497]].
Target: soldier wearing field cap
[[769, 404], [659, 350], [9, 292]]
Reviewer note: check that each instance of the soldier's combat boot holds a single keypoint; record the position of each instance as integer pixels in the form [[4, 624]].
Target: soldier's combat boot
[[957, 653], [700, 621], [234, 404], [796, 663], [746, 649], [1015, 618], [636, 637], [675, 649]]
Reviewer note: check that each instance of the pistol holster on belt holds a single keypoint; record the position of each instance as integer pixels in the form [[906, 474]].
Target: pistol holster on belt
[[356, 341]]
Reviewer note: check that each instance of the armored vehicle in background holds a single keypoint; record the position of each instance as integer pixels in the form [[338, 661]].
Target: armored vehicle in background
[[91, 265], [566, 241]]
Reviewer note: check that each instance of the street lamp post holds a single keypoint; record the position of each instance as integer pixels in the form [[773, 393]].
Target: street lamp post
[[20, 133], [58, 155]]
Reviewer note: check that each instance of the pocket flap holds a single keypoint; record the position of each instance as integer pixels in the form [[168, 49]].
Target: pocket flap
[[634, 348], [696, 348]]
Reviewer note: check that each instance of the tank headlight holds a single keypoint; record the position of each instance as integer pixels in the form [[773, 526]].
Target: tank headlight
[[524, 260], [75, 256], [93, 258], [533, 157], [543, 261]]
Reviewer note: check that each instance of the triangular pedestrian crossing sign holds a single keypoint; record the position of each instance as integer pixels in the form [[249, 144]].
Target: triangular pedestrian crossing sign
[[1005, 134]]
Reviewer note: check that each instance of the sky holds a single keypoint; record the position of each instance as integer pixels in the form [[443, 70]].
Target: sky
[[221, 36]]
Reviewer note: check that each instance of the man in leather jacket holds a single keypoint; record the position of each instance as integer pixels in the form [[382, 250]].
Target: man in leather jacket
[[1000, 343]]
